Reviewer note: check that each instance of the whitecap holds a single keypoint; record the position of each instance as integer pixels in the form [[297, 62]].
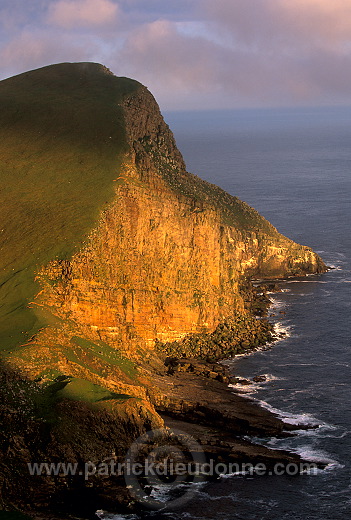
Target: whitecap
[[245, 389], [276, 304], [162, 492], [332, 466], [253, 386], [306, 451], [235, 474], [271, 377]]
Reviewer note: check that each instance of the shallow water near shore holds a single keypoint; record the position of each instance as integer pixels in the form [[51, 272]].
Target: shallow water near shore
[[293, 166]]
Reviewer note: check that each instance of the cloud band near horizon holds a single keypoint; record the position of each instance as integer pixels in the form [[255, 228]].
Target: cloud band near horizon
[[198, 54]]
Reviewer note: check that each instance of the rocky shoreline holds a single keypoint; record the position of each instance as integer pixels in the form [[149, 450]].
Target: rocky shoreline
[[195, 399], [199, 392], [206, 409], [198, 398], [241, 333]]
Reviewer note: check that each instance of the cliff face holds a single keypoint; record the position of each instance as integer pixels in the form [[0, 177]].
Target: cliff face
[[166, 259], [162, 255], [168, 255]]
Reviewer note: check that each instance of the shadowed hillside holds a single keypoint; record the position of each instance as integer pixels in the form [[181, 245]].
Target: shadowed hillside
[[62, 138]]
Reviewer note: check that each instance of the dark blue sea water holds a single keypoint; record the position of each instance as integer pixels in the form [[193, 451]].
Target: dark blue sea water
[[294, 167]]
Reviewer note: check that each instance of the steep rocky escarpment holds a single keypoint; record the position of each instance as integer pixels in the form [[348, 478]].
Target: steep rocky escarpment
[[116, 256], [168, 258]]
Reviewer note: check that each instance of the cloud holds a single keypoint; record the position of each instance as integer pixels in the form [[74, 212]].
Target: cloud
[[281, 52], [228, 53], [82, 13], [34, 49], [166, 60], [290, 23], [322, 22], [186, 70]]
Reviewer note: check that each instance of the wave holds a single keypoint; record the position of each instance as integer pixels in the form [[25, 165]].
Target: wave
[[276, 304], [303, 419], [282, 330], [318, 456], [245, 389], [253, 386], [318, 430], [306, 281], [104, 515]]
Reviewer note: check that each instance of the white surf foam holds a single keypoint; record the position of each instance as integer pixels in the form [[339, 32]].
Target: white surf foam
[[318, 456], [162, 492], [244, 389], [235, 474], [281, 331], [104, 515], [303, 419], [276, 304], [253, 387], [305, 281], [307, 452]]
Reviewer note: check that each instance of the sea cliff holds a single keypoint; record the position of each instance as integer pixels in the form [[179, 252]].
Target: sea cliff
[[115, 259]]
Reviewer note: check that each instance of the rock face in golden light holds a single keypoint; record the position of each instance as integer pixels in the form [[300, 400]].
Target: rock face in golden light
[[167, 258]]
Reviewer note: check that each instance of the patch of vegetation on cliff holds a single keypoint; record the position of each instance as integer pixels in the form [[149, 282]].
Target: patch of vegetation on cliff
[[81, 390], [58, 424], [73, 389], [62, 138], [233, 336], [108, 354]]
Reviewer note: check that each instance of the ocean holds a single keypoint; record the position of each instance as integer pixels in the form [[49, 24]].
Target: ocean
[[294, 167]]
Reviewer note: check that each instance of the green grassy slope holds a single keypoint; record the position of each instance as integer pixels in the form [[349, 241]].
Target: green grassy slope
[[61, 141]]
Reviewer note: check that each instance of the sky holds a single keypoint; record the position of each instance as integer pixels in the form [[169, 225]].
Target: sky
[[193, 54]]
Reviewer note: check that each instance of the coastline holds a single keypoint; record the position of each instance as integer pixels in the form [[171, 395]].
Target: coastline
[[220, 420], [199, 398]]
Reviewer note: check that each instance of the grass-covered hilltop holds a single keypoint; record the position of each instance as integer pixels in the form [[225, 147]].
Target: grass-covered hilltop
[[112, 257]]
